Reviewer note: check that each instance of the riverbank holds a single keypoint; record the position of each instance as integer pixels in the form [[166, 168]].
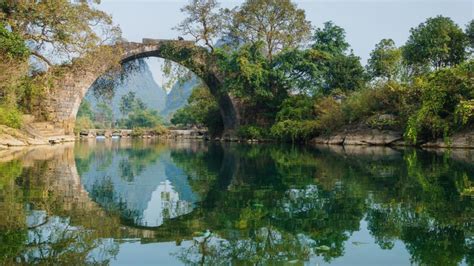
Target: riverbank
[[376, 137], [10, 137]]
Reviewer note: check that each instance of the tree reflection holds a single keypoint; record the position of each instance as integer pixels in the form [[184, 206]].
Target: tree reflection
[[321, 196], [33, 226], [256, 204]]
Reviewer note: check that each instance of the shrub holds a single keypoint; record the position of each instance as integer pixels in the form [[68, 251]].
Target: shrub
[[11, 116], [445, 96], [382, 122], [137, 132], [83, 123], [251, 132], [294, 131], [329, 115], [160, 130]]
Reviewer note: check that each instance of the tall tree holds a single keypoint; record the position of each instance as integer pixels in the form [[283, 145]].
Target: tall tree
[[344, 72], [330, 39], [203, 22], [129, 103], [60, 28], [438, 42], [279, 24], [385, 60], [470, 35], [340, 69], [104, 115]]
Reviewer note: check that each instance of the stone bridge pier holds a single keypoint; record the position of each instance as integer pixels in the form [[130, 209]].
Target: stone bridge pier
[[64, 100]]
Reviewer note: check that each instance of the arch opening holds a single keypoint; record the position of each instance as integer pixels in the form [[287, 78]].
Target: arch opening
[[67, 100]]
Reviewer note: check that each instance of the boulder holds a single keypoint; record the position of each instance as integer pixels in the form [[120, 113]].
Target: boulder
[[337, 139], [372, 137], [8, 140], [320, 140], [459, 140]]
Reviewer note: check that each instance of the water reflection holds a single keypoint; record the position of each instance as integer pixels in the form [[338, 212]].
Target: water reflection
[[211, 204], [138, 181]]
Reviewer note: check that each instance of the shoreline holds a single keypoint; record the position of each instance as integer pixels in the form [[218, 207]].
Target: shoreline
[[17, 138], [391, 138]]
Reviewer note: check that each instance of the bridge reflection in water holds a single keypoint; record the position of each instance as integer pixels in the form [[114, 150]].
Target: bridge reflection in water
[[208, 203]]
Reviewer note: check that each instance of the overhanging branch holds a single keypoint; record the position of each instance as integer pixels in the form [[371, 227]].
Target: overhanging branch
[[42, 58]]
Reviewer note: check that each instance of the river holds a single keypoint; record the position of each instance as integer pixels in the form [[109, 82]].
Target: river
[[127, 202]]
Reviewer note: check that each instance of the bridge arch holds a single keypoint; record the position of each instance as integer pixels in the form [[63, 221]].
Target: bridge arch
[[65, 99]]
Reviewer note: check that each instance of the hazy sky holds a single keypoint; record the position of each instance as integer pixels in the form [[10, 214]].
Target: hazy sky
[[366, 22]]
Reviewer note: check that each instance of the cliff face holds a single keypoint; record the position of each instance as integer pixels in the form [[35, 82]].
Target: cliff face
[[178, 97]]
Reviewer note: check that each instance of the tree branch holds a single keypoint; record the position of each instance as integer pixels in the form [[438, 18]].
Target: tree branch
[[44, 59]]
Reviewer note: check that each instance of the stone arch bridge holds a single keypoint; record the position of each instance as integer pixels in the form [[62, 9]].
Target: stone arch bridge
[[64, 100]]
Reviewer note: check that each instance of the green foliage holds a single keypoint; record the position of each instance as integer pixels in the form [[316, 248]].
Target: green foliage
[[251, 132], [66, 28], [294, 131], [43, 29], [301, 71], [470, 35], [249, 73], [277, 24], [381, 99], [385, 60], [184, 116], [203, 22], [295, 120], [202, 109], [142, 119], [438, 42], [338, 70], [160, 130], [85, 110], [331, 39], [10, 116], [344, 72], [12, 45], [83, 123], [445, 95], [329, 115], [129, 102], [137, 132], [464, 113], [103, 118], [298, 107]]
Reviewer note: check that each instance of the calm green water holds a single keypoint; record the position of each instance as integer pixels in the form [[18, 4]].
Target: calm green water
[[135, 203]]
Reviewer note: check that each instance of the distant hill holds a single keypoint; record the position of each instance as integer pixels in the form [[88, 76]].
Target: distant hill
[[154, 96], [178, 97], [142, 83]]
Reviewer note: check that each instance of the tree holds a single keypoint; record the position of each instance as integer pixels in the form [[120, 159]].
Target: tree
[[330, 39], [470, 35], [445, 103], [438, 42], [62, 28], [12, 45], [344, 72], [339, 69], [129, 103], [13, 65], [104, 115], [202, 109], [202, 22], [184, 117], [85, 110], [385, 60], [301, 71], [279, 24], [143, 118]]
